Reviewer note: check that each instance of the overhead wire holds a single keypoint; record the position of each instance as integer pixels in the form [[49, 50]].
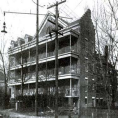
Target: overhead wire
[[38, 4], [78, 4], [71, 10], [67, 11]]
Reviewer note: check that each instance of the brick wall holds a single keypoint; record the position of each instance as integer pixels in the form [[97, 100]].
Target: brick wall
[[87, 43]]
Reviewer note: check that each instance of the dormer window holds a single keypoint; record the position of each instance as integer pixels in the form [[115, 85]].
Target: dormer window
[[14, 43], [30, 39], [20, 41]]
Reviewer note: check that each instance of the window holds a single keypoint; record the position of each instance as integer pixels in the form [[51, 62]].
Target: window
[[93, 79], [93, 87], [101, 101], [86, 65], [93, 101], [86, 44], [86, 100], [86, 58], [86, 88], [97, 101], [86, 80]]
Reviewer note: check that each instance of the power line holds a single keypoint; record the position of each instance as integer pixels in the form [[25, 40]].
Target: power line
[[68, 12], [78, 4], [71, 11], [38, 4], [64, 12]]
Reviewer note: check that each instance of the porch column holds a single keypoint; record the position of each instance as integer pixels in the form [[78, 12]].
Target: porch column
[[46, 75], [14, 92], [70, 56], [70, 98], [70, 42], [15, 60], [46, 58], [28, 90], [70, 87], [29, 55], [46, 48]]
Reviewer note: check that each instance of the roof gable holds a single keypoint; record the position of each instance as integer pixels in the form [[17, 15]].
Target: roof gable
[[47, 26]]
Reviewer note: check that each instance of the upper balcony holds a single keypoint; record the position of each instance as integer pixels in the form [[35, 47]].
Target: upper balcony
[[31, 77], [46, 54], [31, 43], [47, 73]]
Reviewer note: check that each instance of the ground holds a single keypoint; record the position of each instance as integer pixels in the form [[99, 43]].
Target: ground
[[92, 113]]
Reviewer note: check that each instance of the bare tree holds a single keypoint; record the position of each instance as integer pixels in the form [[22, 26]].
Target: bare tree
[[4, 68], [106, 26]]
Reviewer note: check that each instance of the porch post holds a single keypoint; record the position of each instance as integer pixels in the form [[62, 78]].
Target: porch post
[[70, 56], [29, 55], [70, 96]]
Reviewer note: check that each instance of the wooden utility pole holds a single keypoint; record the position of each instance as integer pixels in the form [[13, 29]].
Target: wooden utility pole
[[36, 94], [56, 55], [22, 82]]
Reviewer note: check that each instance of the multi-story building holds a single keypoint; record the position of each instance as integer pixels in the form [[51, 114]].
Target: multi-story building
[[76, 49]]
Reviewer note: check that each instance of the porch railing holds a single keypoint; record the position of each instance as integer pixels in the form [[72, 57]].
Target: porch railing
[[71, 92], [43, 55]]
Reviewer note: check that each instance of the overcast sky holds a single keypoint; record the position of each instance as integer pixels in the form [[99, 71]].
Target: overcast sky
[[19, 25]]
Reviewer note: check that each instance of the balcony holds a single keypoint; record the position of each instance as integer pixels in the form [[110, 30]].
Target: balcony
[[14, 79], [64, 50], [65, 72], [29, 76], [42, 56], [62, 91], [72, 92]]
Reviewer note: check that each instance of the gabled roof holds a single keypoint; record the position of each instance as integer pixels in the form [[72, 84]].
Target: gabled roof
[[27, 35], [46, 26]]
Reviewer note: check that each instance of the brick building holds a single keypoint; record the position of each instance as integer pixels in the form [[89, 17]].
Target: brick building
[[76, 50]]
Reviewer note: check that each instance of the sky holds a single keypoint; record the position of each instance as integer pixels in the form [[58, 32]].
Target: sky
[[17, 25]]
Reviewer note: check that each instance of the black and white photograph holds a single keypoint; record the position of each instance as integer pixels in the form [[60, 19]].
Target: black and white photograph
[[58, 58]]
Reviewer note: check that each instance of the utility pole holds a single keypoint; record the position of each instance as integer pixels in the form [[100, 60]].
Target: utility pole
[[56, 55], [36, 94], [22, 74]]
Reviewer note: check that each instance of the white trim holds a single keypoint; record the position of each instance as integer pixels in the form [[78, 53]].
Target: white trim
[[86, 78], [86, 58]]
